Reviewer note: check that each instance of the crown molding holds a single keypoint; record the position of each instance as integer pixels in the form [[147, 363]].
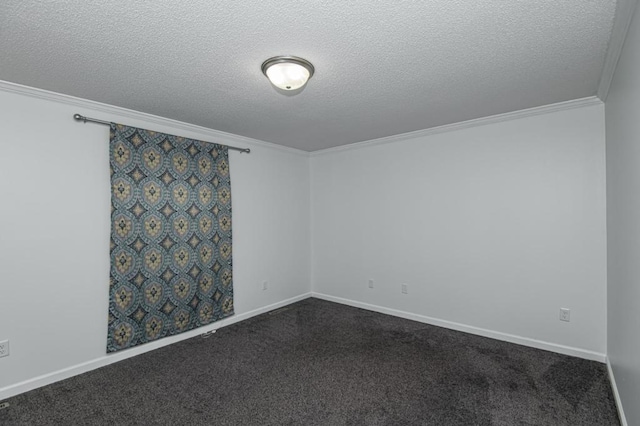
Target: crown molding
[[545, 109], [621, 22], [235, 140]]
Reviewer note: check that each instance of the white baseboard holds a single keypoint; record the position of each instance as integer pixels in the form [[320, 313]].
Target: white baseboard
[[46, 379], [616, 395], [525, 341], [65, 373]]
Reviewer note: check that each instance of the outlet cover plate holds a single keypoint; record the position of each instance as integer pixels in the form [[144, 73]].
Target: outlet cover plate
[[370, 283], [565, 314], [405, 290], [4, 348]]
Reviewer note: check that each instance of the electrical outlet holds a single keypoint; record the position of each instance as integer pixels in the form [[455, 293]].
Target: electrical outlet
[[370, 283], [404, 289], [565, 314], [4, 348], [265, 285]]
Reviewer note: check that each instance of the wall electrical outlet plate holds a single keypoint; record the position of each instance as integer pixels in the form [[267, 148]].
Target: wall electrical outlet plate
[[370, 283], [404, 289], [4, 348], [565, 314], [265, 285]]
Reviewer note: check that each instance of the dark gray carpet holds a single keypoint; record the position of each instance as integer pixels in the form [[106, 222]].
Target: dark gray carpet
[[320, 363]]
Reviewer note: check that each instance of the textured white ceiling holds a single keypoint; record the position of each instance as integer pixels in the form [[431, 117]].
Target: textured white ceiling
[[382, 67]]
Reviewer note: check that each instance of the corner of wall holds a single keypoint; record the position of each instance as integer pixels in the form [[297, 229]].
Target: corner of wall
[[311, 228]]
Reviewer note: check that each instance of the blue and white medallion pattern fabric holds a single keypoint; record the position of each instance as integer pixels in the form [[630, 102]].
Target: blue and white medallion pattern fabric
[[171, 260]]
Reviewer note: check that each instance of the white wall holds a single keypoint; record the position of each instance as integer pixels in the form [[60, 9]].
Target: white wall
[[54, 233], [623, 223], [494, 227]]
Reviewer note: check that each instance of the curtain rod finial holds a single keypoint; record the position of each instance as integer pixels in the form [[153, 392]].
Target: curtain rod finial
[[79, 117]]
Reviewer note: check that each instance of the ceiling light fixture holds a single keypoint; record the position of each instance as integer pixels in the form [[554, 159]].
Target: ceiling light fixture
[[287, 72]]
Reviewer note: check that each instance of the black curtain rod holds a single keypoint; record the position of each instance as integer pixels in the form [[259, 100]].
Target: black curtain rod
[[84, 119]]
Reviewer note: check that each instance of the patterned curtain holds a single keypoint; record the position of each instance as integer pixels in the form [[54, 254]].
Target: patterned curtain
[[170, 236]]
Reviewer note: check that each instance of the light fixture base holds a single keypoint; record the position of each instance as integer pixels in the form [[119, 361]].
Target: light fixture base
[[288, 72]]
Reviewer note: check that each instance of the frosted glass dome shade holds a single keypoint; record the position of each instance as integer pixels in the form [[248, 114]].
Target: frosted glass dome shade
[[287, 72]]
